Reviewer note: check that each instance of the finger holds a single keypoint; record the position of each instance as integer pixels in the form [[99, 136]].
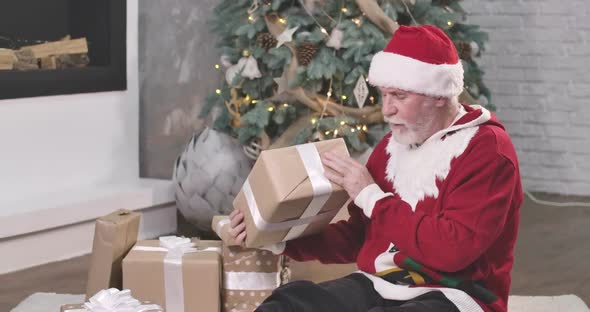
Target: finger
[[334, 177], [234, 232], [335, 164], [241, 238], [237, 219], [233, 213]]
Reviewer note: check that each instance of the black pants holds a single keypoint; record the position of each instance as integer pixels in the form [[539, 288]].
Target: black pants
[[353, 293]]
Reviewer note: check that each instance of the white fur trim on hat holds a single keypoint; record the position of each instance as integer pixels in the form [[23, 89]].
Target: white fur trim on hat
[[392, 70]]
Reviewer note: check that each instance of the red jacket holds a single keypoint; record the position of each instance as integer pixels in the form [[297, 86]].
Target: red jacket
[[451, 204]]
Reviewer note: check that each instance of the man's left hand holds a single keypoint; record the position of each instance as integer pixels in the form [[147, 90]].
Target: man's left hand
[[349, 173]]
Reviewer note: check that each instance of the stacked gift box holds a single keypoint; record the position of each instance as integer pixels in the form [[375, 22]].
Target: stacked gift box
[[285, 196]]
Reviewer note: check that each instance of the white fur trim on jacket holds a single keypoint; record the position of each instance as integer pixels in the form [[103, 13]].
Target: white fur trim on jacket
[[414, 172], [367, 198], [397, 71]]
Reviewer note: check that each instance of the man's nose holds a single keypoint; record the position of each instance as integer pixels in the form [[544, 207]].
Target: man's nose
[[388, 108]]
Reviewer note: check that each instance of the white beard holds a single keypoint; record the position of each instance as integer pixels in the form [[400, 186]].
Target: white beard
[[414, 172]]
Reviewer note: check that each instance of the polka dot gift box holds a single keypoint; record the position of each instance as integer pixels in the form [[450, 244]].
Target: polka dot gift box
[[249, 276]]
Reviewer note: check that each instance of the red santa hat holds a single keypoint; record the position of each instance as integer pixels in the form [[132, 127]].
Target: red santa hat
[[421, 59]]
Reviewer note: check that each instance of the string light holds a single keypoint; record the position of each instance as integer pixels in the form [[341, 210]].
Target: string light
[[217, 66], [342, 123], [450, 23], [271, 108], [352, 130], [344, 97], [282, 20], [218, 91], [329, 94], [356, 21], [327, 133], [344, 10], [314, 121], [286, 105], [364, 127], [245, 53], [251, 18], [254, 101], [247, 98], [335, 132], [324, 30], [359, 127]]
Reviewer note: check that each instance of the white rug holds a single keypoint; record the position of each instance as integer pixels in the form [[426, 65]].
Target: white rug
[[50, 302], [46, 302]]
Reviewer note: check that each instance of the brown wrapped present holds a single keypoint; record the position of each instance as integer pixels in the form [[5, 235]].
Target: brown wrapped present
[[287, 195], [221, 226], [249, 277], [112, 300], [114, 235], [176, 273]]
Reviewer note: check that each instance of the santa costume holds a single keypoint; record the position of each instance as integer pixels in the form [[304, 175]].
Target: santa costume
[[442, 216]]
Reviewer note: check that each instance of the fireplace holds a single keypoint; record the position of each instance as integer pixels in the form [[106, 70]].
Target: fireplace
[[101, 25]]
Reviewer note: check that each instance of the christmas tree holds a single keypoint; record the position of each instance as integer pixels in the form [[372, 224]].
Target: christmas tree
[[295, 70]]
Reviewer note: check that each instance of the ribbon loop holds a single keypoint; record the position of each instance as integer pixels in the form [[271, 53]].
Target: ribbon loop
[[114, 300]]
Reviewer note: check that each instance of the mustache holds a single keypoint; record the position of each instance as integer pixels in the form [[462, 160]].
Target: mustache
[[393, 120]]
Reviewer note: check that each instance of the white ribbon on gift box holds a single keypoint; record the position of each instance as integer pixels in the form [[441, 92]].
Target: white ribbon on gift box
[[250, 281], [114, 300], [322, 189], [175, 247]]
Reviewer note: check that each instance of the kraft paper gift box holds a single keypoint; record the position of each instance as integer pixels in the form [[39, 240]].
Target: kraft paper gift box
[[221, 226], [249, 277], [286, 195], [112, 300], [114, 235], [176, 273]]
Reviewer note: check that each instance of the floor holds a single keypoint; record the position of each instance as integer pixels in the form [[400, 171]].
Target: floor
[[552, 258]]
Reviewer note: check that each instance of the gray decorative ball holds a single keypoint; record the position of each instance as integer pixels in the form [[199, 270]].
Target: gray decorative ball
[[208, 175]]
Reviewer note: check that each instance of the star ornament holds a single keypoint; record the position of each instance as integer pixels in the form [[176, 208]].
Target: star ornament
[[286, 36], [282, 83]]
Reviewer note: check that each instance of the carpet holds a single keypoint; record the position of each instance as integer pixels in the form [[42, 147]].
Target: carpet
[[50, 302]]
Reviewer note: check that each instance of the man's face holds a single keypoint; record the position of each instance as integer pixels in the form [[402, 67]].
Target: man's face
[[410, 115]]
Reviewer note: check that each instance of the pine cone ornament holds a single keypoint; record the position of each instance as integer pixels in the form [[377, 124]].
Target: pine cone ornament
[[464, 50], [306, 52], [266, 40], [207, 177]]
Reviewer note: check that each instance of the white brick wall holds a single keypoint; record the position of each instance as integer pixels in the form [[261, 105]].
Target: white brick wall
[[537, 63]]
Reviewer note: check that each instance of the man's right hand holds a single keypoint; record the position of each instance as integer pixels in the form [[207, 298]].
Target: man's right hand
[[237, 226]]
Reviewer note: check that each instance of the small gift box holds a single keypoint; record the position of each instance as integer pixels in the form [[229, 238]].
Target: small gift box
[[176, 273], [249, 277], [114, 235]]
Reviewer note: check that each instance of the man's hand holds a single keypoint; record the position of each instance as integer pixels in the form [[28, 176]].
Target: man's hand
[[237, 226], [350, 174]]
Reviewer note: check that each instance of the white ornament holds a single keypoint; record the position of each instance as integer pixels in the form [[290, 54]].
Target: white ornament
[[286, 36], [474, 48], [251, 70], [361, 91], [335, 40], [225, 61], [247, 65]]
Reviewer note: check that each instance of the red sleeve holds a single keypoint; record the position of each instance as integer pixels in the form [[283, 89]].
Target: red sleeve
[[475, 209], [339, 243]]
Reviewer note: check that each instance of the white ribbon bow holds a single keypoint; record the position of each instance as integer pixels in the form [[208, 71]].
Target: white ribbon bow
[[114, 300], [177, 245]]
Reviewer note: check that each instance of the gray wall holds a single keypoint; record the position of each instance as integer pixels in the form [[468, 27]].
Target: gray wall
[[537, 68], [176, 58]]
